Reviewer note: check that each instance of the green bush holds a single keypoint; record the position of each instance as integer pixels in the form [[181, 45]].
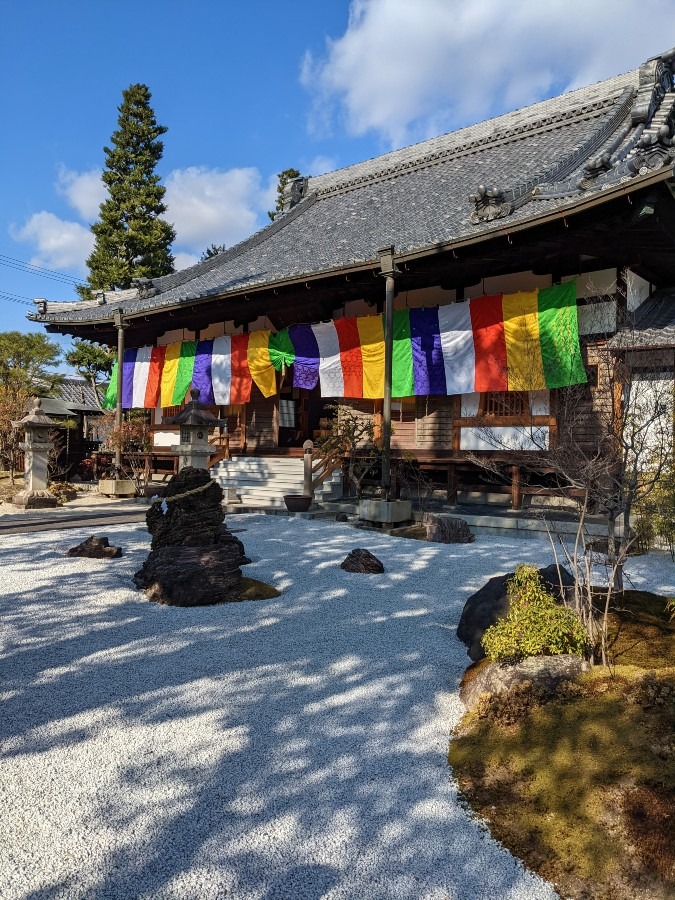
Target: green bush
[[644, 533], [655, 526], [536, 625]]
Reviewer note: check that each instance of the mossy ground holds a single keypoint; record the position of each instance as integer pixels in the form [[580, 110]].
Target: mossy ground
[[415, 532], [581, 784], [8, 490], [257, 590]]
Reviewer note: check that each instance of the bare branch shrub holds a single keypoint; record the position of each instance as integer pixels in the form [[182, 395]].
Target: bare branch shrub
[[613, 446]]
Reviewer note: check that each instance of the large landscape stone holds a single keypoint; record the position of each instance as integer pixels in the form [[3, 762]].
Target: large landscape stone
[[447, 530], [194, 560], [95, 548], [362, 561], [497, 678], [491, 603], [193, 520], [191, 576]]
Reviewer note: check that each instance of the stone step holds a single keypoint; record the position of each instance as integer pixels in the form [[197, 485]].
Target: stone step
[[264, 482]]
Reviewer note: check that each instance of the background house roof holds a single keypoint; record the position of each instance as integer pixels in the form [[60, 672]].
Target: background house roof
[[515, 168], [72, 395], [652, 326]]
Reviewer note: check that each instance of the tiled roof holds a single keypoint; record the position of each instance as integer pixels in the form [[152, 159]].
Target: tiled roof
[[653, 325], [549, 157], [77, 394]]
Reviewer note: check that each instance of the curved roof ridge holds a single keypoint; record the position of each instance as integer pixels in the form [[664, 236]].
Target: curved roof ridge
[[183, 276], [523, 120]]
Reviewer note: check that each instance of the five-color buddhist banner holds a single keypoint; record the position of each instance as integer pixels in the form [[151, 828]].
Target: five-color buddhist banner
[[505, 342]]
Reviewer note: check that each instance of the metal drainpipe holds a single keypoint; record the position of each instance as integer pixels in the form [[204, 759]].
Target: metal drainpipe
[[389, 270], [120, 326]]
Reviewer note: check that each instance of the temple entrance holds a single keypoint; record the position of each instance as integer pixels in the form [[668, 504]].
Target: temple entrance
[[303, 415]]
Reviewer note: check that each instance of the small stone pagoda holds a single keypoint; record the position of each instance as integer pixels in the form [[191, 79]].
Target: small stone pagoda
[[194, 560]]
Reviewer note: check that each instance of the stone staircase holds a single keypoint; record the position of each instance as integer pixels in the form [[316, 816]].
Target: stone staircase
[[262, 481]]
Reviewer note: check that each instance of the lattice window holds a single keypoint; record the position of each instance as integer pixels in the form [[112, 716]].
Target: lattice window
[[403, 409], [504, 404]]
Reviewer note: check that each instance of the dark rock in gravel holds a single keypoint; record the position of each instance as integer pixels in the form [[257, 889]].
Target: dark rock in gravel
[[362, 561], [448, 530], [227, 537], [491, 603], [342, 517], [95, 548], [194, 560], [498, 678], [191, 576], [194, 520]]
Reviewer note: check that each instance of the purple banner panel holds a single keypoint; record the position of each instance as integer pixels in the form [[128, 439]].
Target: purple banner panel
[[306, 363], [128, 363], [427, 352], [201, 376]]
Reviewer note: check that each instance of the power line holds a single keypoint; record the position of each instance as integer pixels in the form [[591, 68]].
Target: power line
[[16, 298], [41, 272]]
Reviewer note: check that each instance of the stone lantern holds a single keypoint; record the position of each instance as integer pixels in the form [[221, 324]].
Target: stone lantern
[[194, 422], [36, 449]]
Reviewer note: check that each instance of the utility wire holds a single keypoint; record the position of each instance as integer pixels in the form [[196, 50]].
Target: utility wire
[[18, 300], [22, 266], [11, 294]]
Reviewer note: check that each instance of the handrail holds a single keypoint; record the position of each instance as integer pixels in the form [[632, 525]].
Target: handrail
[[325, 460], [222, 444]]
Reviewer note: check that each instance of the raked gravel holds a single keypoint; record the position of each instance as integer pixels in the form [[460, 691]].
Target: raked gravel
[[292, 748]]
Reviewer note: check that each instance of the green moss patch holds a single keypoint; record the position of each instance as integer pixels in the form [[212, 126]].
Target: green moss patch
[[414, 532], [641, 632], [7, 490], [251, 589], [579, 783]]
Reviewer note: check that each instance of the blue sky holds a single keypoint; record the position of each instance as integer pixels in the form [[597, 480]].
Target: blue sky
[[249, 88]]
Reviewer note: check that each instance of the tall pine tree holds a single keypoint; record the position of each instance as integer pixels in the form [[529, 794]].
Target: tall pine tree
[[132, 240]]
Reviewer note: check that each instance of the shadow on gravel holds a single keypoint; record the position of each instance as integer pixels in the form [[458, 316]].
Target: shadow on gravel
[[281, 746]]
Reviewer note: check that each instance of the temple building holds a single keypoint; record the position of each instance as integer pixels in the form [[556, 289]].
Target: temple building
[[561, 213]]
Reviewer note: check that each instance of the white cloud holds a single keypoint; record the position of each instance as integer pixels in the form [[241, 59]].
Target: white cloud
[[213, 206], [183, 260], [59, 244], [268, 197], [84, 191], [409, 70], [205, 206], [320, 165]]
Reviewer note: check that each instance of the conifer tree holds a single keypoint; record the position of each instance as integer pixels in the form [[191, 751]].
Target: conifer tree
[[282, 180], [213, 250], [132, 240]]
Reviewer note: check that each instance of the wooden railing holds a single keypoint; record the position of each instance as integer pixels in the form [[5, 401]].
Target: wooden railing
[[326, 459], [221, 449], [141, 463]]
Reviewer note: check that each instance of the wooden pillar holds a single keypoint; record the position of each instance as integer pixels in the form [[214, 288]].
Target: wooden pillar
[[389, 270], [120, 325], [451, 495], [516, 488]]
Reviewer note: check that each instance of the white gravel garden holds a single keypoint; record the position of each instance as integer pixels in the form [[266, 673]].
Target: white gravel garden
[[287, 748]]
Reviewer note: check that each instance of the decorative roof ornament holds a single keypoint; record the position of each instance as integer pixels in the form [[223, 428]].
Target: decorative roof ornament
[[294, 192], [655, 81], [494, 203], [491, 204], [145, 287]]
